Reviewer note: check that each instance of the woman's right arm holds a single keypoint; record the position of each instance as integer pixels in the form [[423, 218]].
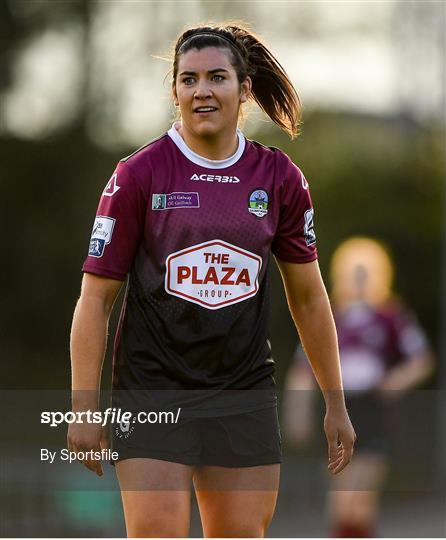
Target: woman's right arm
[[88, 345]]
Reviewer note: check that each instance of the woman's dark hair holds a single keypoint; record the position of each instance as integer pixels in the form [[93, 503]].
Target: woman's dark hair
[[272, 89]]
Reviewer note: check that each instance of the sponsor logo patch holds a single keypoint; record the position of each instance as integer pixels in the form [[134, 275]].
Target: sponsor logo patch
[[178, 199], [112, 187], [101, 235], [214, 274], [216, 178], [258, 203], [309, 234]]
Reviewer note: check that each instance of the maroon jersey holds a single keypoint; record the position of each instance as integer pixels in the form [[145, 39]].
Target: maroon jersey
[[373, 340], [194, 236]]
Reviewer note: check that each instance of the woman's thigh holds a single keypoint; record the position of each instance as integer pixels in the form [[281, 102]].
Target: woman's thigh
[[156, 497], [237, 501]]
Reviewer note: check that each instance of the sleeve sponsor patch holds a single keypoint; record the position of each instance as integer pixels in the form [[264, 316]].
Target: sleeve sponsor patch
[[310, 235], [101, 235]]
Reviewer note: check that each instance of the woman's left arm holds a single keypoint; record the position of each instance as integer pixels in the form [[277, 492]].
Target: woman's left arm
[[310, 308]]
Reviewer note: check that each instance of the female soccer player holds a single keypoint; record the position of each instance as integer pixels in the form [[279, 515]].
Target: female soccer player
[[384, 353], [190, 219]]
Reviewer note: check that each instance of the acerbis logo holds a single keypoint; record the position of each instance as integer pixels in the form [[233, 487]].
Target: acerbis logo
[[216, 178], [213, 275]]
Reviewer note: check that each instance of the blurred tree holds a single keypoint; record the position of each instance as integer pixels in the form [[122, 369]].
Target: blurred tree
[[418, 32]]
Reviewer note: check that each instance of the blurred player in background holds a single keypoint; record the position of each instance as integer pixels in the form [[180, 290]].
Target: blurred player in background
[[383, 352]]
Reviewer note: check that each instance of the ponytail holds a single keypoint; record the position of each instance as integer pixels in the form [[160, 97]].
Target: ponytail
[[272, 89]]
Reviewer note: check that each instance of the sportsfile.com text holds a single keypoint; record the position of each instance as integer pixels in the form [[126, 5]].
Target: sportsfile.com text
[[112, 415]]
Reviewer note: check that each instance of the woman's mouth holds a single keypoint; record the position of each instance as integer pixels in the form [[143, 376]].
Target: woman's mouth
[[204, 110]]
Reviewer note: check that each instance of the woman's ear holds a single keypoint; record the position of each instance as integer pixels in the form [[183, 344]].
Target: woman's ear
[[245, 90], [174, 96]]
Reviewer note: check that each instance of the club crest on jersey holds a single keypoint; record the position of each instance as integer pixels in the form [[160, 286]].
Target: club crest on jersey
[[213, 275], [101, 235], [258, 203], [112, 187]]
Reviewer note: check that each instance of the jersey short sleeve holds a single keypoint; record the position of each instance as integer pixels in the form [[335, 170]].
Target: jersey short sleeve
[[295, 238], [118, 226], [411, 339]]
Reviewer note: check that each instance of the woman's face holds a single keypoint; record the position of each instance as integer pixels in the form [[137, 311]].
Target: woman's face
[[363, 272], [208, 92]]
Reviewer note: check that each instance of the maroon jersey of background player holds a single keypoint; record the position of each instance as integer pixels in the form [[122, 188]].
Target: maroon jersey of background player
[[372, 340]]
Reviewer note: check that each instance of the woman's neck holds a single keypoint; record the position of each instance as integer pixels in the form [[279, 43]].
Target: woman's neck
[[218, 147]]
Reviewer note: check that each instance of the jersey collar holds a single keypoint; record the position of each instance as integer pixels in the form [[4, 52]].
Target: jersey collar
[[200, 160]]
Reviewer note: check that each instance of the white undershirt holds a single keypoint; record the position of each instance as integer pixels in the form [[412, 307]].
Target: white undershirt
[[200, 160]]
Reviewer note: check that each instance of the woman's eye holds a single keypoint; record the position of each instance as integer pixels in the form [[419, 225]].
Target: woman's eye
[[218, 78], [188, 80]]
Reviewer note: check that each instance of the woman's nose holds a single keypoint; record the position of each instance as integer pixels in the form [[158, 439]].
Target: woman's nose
[[202, 89]]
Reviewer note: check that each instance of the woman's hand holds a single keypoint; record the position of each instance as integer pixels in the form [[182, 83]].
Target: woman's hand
[[85, 437], [341, 438]]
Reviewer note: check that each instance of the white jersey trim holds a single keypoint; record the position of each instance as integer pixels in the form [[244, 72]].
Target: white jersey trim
[[200, 160]]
